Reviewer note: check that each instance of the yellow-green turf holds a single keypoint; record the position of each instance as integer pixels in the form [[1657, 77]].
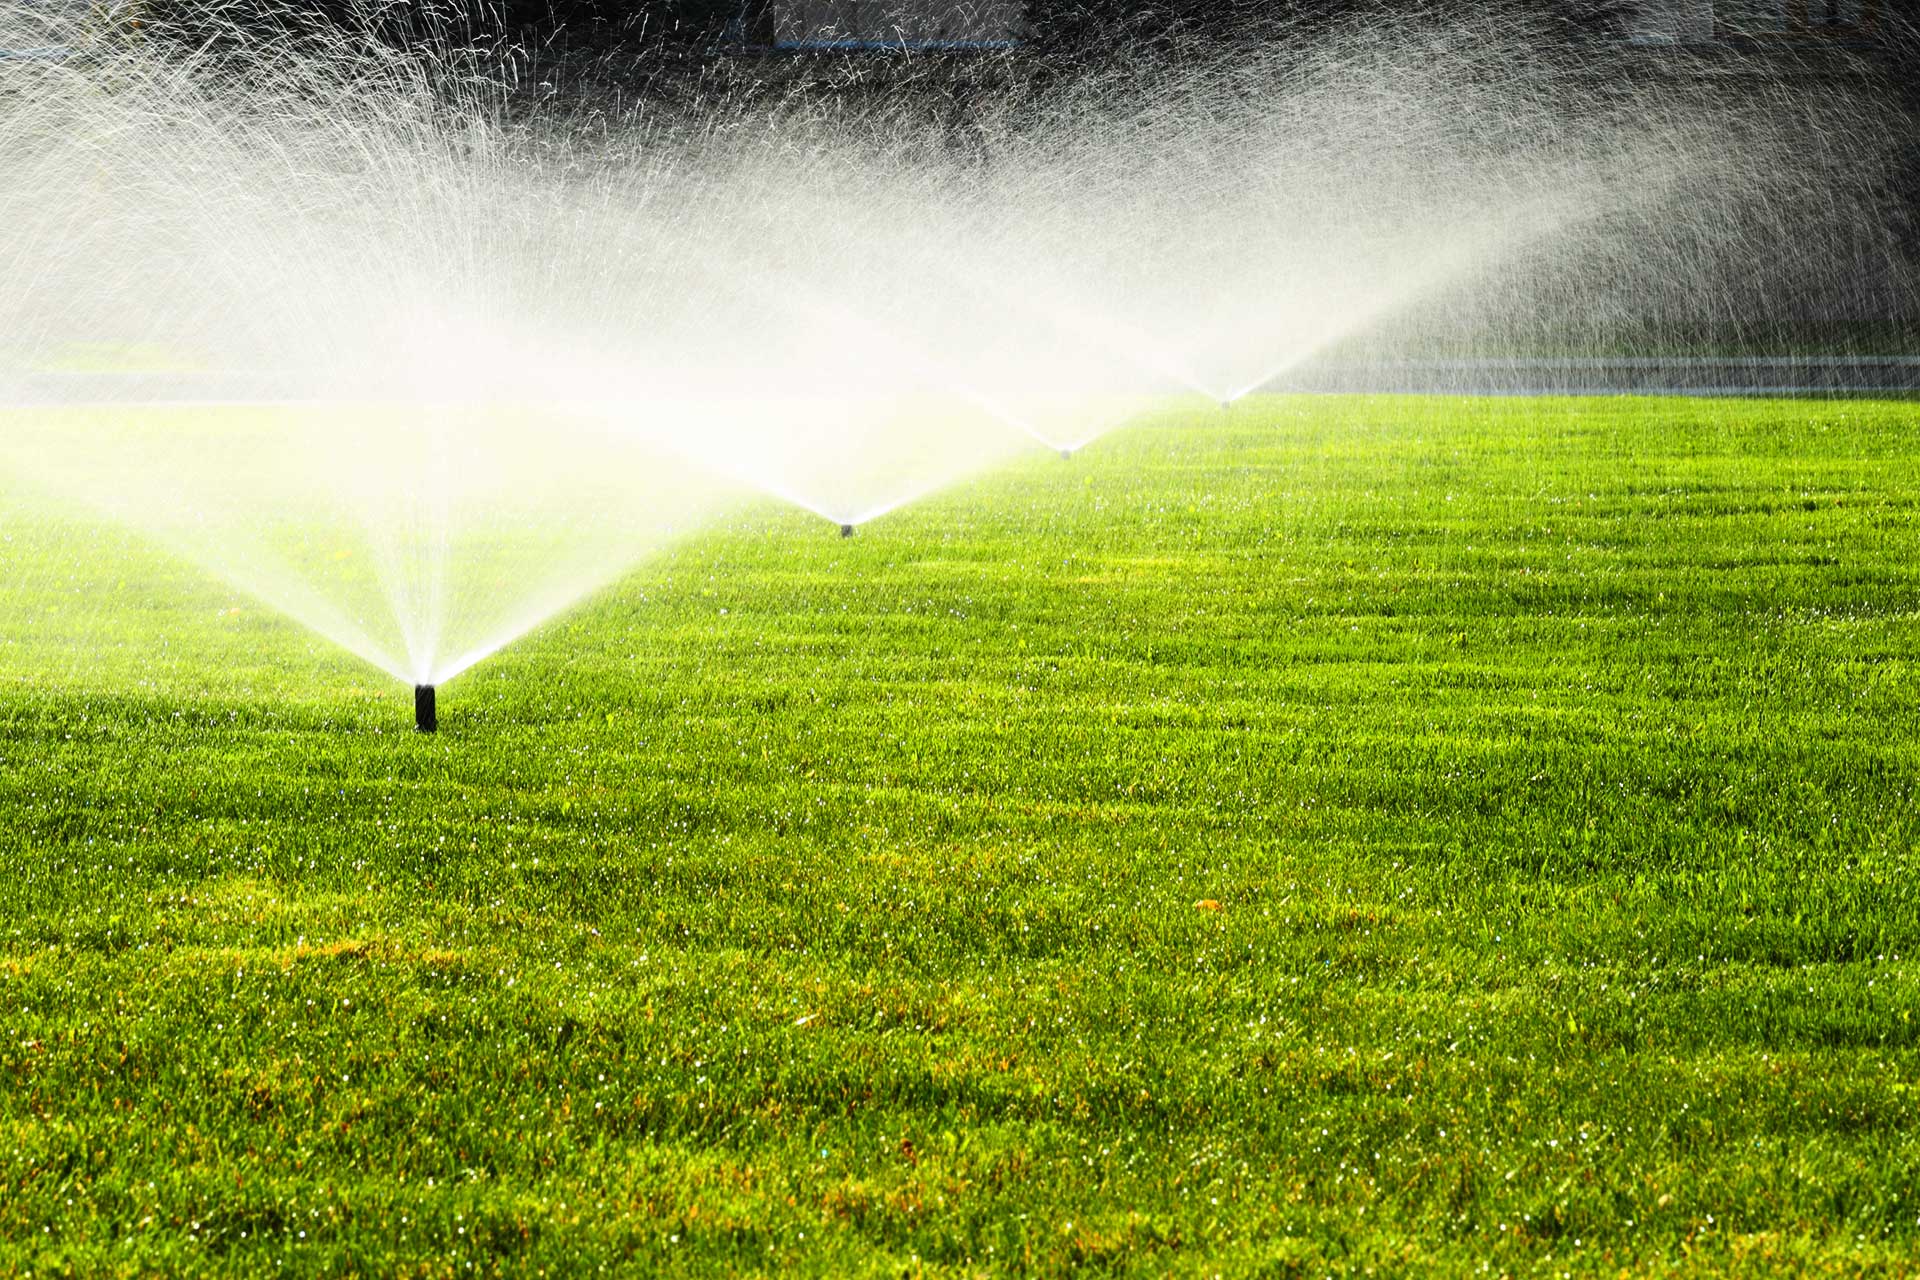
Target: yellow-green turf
[[803, 905]]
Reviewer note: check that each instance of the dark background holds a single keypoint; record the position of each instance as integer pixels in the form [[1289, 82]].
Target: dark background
[[697, 51], [640, 46], [599, 29]]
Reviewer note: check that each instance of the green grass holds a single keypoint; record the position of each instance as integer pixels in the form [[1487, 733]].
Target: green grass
[[829, 907]]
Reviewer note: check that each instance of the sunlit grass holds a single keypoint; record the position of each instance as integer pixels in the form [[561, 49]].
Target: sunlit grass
[[1545, 768]]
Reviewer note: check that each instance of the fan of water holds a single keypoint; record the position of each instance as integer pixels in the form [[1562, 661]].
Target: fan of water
[[436, 362]]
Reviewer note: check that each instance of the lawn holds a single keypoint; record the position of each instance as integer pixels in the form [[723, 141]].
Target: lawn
[[1406, 834]]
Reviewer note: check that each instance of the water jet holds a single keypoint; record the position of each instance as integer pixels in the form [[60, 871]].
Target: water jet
[[456, 366]]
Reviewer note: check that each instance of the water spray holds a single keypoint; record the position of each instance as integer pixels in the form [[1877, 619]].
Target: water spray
[[241, 214]]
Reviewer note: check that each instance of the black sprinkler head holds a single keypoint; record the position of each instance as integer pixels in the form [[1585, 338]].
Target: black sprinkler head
[[846, 531], [1066, 455], [425, 719]]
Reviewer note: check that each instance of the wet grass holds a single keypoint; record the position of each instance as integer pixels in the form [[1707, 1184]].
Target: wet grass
[[1405, 834]]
